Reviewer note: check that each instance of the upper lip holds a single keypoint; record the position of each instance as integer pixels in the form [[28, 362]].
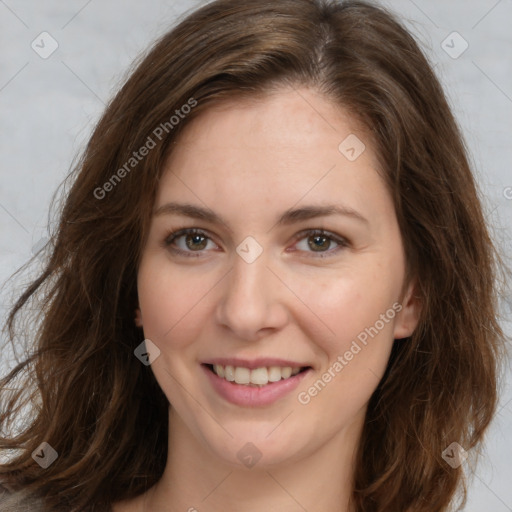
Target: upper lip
[[254, 363]]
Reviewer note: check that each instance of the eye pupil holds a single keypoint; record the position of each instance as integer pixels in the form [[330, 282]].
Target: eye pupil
[[195, 237], [315, 246]]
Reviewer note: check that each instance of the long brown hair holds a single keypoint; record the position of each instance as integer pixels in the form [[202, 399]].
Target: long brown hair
[[103, 411]]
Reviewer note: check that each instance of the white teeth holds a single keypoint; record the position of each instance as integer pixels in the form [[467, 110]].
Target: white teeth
[[242, 375], [274, 373], [256, 376], [259, 376], [229, 373], [286, 372]]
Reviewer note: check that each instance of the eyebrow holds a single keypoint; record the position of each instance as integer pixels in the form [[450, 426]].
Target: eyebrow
[[289, 217]]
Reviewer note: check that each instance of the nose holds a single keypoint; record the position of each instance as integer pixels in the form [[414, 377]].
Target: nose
[[252, 303]]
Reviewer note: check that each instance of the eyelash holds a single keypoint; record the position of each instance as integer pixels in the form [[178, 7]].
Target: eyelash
[[171, 237]]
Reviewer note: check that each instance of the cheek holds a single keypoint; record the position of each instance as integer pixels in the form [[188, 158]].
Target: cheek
[[357, 304], [169, 300], [356, 355]]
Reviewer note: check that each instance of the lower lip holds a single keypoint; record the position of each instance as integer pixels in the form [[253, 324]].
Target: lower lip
[[253, 396]]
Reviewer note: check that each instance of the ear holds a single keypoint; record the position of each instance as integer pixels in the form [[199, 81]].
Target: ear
[[138, 317], [408, 317]]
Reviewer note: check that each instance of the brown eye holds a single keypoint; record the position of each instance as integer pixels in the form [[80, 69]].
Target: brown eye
[[320, 242], [187, 241], [194, 242]]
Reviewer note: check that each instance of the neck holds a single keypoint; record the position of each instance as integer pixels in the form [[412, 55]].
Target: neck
[[197, 479]]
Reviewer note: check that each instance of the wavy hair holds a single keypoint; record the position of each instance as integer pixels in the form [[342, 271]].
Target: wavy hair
[[94, 402]]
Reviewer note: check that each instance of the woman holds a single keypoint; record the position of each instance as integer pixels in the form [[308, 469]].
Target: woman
[[272, 286]]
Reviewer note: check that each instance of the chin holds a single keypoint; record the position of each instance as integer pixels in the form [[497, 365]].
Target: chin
[[253, 447]]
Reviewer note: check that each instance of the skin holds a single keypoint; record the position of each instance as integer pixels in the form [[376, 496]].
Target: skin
[[249, 162]]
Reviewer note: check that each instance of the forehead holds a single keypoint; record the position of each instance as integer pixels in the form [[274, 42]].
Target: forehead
[[270, 152], [284, 118]]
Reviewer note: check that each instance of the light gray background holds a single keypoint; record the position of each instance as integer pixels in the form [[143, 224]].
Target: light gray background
[[49, 106]]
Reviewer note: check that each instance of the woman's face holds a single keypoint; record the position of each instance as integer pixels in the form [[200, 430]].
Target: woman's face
[[253, 293]]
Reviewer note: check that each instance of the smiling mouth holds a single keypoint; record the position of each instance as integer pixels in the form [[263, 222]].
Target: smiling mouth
[[256, 377]]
